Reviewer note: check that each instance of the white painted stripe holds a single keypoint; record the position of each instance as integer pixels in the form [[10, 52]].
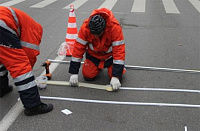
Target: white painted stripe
[[14, 112], [11, 116], [185, 128], [71, 36], [170, 7], [12, 2], [160, 89], [139, 6], [196, 4], [121, 102], [76, 3], [72, 25], [108, 4], [43, 3]]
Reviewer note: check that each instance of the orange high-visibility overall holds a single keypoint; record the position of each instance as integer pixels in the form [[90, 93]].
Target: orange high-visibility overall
[[20, 37], [105, 52]]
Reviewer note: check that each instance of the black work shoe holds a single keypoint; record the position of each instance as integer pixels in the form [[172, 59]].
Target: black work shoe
[[4, 91], [40, 109]]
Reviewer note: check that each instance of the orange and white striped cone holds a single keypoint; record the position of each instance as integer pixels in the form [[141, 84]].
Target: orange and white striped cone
[[71, 32]]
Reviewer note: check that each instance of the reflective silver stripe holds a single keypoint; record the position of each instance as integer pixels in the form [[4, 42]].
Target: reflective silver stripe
[[26, 86], [4, 25], [116, 43], [121, 62], [2, 73], [109, 50], [91, 46], [83, 42], [15, 17], [1, 65], [23, 77], [29, 45], [76, 59]]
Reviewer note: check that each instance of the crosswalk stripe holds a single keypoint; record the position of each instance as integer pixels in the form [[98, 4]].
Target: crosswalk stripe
[[170, 7], [12, 2], [43, 3], [196, 4], [138, 6], [76, 4], [108, 4]]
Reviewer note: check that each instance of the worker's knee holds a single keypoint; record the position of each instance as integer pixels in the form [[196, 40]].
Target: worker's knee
[[89, 70]]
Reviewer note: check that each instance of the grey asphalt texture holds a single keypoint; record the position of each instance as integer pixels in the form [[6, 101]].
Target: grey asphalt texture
[[153, 38]]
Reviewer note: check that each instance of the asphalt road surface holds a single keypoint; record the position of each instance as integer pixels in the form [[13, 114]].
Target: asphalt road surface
[[158, 33]]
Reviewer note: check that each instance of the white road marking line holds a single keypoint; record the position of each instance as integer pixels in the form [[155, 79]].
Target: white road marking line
[[160, 89], [196, 4], [11, 116], [14, 112], [76, 3], [138, 6], [43, 3], [108, 4], [12, 2], [120, 102], [185, 128], [170, 7], [131, 67]]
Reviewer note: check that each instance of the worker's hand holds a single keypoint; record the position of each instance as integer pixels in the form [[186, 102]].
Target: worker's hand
[[73, 81], [115, 83]]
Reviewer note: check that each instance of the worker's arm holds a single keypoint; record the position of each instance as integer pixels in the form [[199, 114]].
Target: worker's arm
[[118, 56], [77, 56]]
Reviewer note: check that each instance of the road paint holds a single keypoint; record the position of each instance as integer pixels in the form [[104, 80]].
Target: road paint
[[185, 128], [43, 3], [11, 116], [138, 6], [12, 2], [196, 4], [131, 67], [120, 102], [14, 112], [109, 4], [159, 89], [170, 7], [76, 3]]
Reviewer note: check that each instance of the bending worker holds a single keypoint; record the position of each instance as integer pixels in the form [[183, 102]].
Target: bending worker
[[101, 39], [20, 37]]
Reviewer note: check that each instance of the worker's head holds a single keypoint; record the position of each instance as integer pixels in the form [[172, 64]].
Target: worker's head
[[97, 24]]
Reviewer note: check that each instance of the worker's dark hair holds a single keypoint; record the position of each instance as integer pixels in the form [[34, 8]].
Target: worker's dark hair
[[97, 24]]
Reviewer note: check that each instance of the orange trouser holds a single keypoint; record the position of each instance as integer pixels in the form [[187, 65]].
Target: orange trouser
[[15, 61], [90, 70]]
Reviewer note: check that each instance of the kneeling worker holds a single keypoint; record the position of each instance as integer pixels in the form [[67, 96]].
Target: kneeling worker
[[20, 37], [101, 38]]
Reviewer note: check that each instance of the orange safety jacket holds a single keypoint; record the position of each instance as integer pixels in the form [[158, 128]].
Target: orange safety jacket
[[110, 45], [26, 36], [29, 31]]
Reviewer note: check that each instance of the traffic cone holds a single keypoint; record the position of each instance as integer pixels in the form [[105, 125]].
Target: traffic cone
[[71, 34]]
